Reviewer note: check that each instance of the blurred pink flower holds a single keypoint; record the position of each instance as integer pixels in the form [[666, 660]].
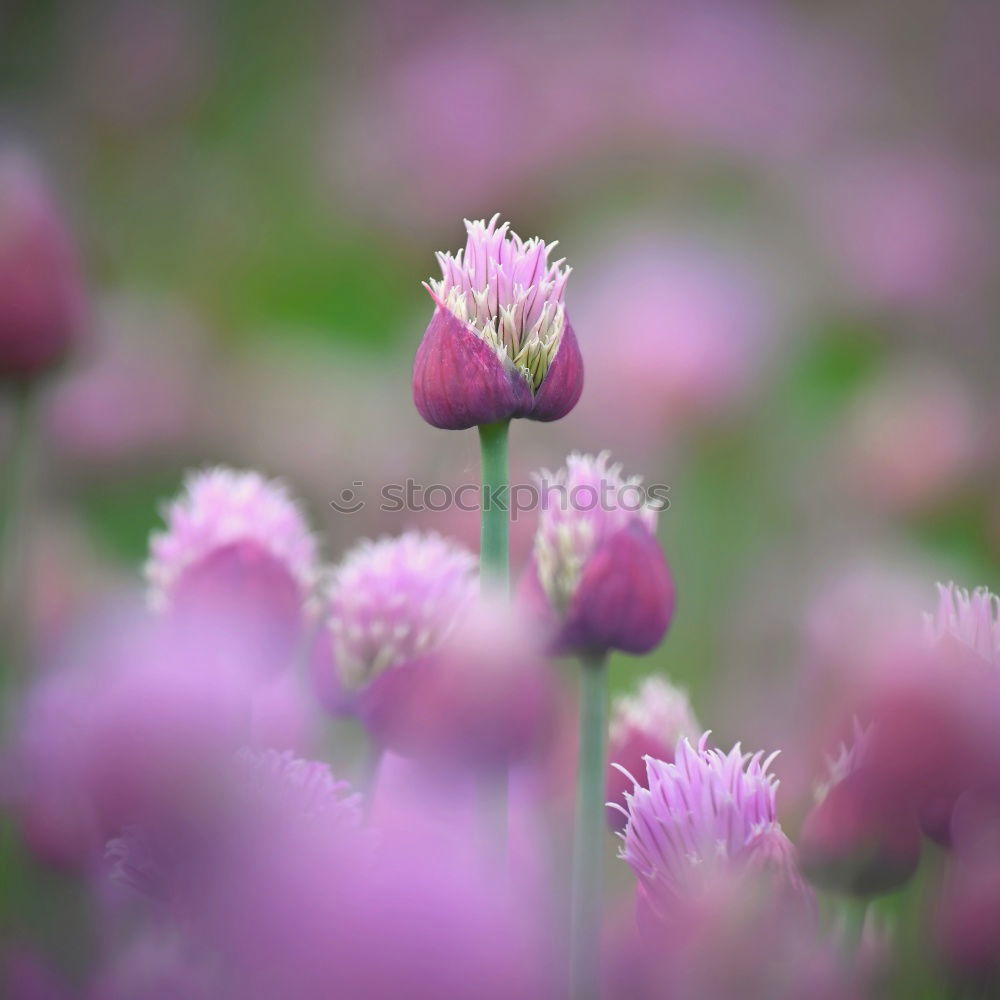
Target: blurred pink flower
[[237, 548], [391, 603], [971, 618], [220, 508], [905, 227], [648, 723], [42, 308], [922, 403], [145, 361], [483, 700], [137, 720], [598, 579], [859, 837], [694, 339]]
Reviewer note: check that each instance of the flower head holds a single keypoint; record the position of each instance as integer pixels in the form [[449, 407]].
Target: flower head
[[647, 723], [499, 344], [241, 514], [598, 570], [858, 838], [971, 618], [708, 810], [391, 604], [41, 288]]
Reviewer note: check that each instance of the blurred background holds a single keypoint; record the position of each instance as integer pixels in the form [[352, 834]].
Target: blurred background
[[782, 219]]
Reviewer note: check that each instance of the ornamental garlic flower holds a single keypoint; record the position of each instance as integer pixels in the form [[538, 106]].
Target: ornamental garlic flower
[[859, 838], [41, 289], [391, 604], [499, 344], [707, 812], [236, 545], [598, 574], [647, 723], [971, 618]]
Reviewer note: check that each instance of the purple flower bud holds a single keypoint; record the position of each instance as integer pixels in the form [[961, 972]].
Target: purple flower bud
[[646, 724], [41, 289], [598, 574], [499, 344], [859, 838]]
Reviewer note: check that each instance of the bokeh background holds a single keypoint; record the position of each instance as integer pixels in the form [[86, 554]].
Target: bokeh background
[[782, 219]]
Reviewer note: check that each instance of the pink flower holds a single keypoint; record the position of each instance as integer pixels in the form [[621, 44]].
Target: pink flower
[[41, 288], [499, 344], [484, 699], [648, 723], [972, 619], [390, 605], [598, 575], [140, 721], [706, 812], [237, 547], [859, 837]]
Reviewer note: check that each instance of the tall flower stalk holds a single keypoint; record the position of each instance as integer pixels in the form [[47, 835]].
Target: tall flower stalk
[[588, 843], [16, 506], [494, 535]]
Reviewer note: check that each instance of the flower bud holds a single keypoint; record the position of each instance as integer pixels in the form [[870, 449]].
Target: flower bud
[[859, 838], [598, 576], [499, 344], [41, 289]]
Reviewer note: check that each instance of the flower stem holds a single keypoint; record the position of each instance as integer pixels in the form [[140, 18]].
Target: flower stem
[[494, 541], [588, 847], [14, 509]]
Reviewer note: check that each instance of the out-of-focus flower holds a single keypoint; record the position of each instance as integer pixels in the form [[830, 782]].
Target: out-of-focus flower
[[598, 576], [499, 344], [735, 937], [285, 714], [165, 858], [964, 636], [970, 618], [646, 724], [696, 337], [146, 361], [906, 228], [967, 916], [24, 975], [143, 718], [859, 838], [160, 962], [391, 604], [484, 699], [876, 460], [237, 547], [41, 289], [706, 812], [291, 909]]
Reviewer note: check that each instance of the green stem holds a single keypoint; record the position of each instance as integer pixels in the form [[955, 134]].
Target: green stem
[[15, 493], [494, 543], [588, 843]]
